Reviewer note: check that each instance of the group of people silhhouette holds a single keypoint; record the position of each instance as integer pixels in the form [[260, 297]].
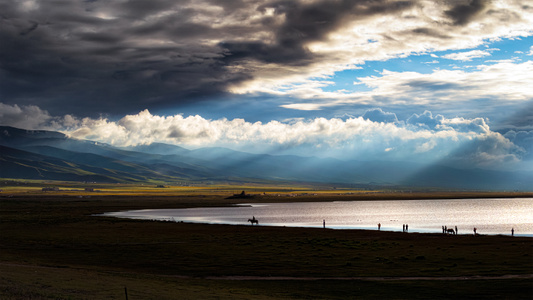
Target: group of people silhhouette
[[445, 229], [450, 230], [405, 227]]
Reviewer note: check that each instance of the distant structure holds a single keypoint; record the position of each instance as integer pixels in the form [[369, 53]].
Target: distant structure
[[242, 195]]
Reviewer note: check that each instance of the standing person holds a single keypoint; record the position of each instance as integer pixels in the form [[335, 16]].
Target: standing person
[[403, 228], [475, 231], [324, 223], [512, 231], [379, 226], [456, 230], [406, 227]]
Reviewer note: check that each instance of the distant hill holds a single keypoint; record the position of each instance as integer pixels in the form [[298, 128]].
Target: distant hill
[[16, 163], [35, 154]]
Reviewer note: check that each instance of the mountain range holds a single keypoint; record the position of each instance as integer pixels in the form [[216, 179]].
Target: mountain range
[[49, 155]]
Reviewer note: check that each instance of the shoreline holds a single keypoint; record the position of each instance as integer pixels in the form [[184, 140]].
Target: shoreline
[[317, 227], [218, 218]]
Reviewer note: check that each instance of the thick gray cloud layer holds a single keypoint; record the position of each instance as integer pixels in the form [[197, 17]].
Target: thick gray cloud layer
[[117, 57], [107, 57], [304, 23]]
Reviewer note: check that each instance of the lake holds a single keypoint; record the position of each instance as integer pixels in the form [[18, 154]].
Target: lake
[[489, 216]]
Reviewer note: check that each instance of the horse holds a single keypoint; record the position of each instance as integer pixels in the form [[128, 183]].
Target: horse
[[252, 221], [450, 230]]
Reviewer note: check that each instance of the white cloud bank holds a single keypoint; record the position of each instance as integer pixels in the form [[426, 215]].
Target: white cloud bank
[[377, 135], [467, 56], [507, 83]]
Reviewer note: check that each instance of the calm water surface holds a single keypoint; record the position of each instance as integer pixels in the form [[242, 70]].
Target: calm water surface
[[489, 216]]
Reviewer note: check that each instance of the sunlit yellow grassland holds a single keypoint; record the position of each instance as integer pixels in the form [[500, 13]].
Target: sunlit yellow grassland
[[10, 186], [296, 191]]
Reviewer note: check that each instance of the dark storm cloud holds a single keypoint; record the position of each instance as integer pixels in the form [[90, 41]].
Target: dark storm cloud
[[120, 57], [463, 13], [33, 26], [304, 23], [117, 57], [66, 59]]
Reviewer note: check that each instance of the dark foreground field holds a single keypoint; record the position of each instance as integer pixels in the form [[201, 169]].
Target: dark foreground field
[[51, 247]]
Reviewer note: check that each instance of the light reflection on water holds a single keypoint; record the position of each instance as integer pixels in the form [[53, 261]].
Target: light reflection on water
[[489, 216]]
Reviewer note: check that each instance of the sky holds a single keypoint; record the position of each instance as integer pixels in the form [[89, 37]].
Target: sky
[[436, 82]]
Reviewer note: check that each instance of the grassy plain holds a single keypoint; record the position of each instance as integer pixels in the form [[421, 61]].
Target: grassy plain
[[52, 247]]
